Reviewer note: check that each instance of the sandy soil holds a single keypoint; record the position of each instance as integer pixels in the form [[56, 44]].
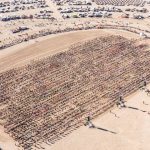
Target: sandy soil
[[25, 52], [130, 132], [6, 143], [130, 125]]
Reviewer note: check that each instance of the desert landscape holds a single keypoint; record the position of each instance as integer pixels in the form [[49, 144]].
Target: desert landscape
[[74, 74]]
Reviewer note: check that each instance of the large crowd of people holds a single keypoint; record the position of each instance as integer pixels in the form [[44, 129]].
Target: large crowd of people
[[47, 99]]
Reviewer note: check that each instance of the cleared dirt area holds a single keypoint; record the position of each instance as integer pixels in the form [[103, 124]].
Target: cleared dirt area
[[48, 99], [22, 54], [63, 62], [131, 126]]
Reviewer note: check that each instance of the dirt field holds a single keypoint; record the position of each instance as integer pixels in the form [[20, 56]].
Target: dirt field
[[131, 127], [79, 138], [33, 91], [25, 52]]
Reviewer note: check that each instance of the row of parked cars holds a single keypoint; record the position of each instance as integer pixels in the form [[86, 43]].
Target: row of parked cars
[[19, 29], [90, 14], [14, 6]]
